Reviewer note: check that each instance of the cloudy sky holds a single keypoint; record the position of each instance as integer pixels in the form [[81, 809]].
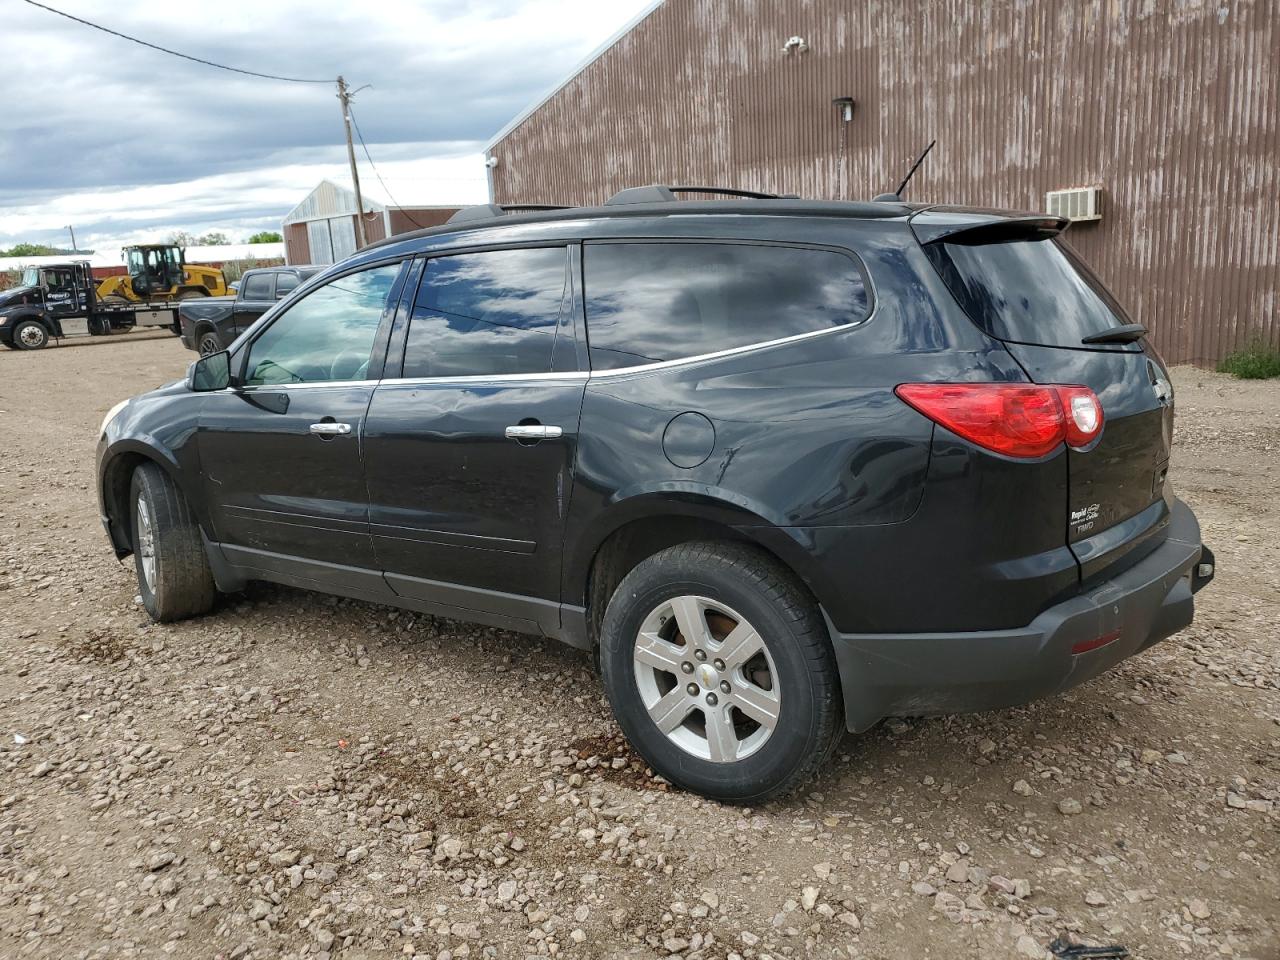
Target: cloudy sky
[[130, 145]]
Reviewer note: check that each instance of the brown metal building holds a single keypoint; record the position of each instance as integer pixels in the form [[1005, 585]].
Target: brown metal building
[[1167, 107]]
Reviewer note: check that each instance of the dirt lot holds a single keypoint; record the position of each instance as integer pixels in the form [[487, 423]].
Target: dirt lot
[[301, 776]]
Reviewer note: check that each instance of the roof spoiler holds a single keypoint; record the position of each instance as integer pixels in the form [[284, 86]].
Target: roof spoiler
[[995, 230]]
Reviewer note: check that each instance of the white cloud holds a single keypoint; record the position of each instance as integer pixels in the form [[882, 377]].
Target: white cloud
[[127, 144]]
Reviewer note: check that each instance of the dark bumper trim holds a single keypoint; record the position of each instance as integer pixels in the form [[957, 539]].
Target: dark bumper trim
[[932, 673]]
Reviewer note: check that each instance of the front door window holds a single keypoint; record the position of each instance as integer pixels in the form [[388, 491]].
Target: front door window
[[328, 335]]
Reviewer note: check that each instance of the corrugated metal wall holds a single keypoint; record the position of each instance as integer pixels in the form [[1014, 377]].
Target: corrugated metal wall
[[1170, 106]]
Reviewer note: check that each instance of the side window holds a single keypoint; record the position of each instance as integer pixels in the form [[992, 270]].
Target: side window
[[257, 286], [284, 283], [327, 335], [479, 314], [58, 280], [648, 302]]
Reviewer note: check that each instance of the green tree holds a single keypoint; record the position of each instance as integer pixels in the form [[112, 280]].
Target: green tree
[[182, 239], [266, 236], [28, 250], [213, 239]]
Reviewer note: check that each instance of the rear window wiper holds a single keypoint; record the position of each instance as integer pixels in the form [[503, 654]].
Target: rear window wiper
[[1125, 333]]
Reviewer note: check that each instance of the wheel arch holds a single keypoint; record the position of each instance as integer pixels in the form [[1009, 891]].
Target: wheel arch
[[636, 528], [114, 481], [199, 328], [52, 328]]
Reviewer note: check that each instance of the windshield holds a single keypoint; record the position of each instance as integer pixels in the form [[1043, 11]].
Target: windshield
[[1033, 291], [31, 277]]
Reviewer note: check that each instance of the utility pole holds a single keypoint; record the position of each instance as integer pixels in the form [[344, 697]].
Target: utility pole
[[73, 238], [344, 97]]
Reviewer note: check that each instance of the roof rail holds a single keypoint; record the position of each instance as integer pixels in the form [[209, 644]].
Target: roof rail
[[479, 211], [654, 193], [732, 192], [486, 211], [534, 207], [658, 193]]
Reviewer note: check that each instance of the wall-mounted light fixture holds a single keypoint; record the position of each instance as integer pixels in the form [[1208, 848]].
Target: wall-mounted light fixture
[[845, 106], [797, 44]]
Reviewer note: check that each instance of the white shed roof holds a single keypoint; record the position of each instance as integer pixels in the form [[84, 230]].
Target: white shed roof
[[329, 200]]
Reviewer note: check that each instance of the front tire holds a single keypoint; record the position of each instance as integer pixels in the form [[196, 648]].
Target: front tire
[[174, 578], [720, 672], [30, 335]]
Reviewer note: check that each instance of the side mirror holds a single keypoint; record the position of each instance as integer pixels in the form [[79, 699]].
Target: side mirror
[[210, 373]]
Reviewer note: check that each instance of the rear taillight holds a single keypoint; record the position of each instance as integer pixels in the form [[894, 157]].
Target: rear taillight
[[1015, 419]]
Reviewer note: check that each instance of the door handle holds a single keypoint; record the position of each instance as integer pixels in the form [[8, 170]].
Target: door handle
[[533, 431], [331, 429]]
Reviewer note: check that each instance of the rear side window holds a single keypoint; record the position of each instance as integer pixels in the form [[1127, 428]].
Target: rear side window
[[257, 286], [649, 302], [1026, 291], [486, 314]]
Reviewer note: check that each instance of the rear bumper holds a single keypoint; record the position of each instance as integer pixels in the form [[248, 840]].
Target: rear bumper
[[920, 674]]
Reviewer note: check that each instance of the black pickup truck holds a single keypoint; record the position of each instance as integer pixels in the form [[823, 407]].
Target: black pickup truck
[[209, 324]]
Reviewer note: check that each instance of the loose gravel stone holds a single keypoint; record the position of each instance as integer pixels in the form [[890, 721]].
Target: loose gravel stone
[[303, 777]]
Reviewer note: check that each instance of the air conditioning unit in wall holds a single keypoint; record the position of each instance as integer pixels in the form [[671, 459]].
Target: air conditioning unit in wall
[[1076, 203]]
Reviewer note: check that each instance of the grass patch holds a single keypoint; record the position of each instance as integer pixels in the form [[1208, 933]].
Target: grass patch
[[1256, 362]]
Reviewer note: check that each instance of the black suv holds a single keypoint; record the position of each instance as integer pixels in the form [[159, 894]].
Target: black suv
[[788, 467]]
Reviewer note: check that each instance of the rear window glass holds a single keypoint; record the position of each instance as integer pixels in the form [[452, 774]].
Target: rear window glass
[[649, 302], [1027, 291]]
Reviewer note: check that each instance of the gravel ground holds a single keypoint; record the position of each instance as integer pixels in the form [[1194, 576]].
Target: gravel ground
[[296, 775]]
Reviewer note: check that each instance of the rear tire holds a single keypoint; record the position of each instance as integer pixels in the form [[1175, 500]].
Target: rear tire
[[751, 708], [173, 572], [191, 295], [30, 335], [207, 343]]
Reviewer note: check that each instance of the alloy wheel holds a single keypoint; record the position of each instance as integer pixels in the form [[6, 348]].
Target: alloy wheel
[[146, 544], [707, 679]]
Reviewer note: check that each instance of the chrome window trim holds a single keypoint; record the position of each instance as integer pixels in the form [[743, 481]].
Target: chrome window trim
[[309, 385], [731, 351], [568, 375]]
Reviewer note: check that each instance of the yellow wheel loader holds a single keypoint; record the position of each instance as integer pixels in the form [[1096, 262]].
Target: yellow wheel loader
[[160, 272]]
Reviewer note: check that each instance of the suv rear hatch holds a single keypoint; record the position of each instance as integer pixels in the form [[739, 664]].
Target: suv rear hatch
[[1020, 283]]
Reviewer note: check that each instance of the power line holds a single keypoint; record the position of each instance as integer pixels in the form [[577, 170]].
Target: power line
[[390, 195], [173, 53]]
